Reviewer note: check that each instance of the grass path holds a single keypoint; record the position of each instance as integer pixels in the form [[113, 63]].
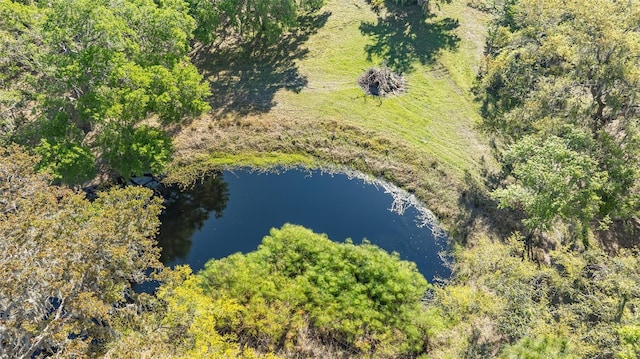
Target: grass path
[[299, 103]]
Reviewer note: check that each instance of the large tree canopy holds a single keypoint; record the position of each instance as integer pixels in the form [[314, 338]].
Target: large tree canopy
[[92, 70], [68, 264], [558, 67], [551, 62], [247, 18]]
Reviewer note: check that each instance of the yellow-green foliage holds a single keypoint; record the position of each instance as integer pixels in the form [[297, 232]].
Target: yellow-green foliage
[[630, 337], [183, 324], [356, 295], [96, 69], [67, 264], [544, 347], [503, 304]]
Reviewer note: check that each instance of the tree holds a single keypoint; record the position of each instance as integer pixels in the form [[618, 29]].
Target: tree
[[66, 160], [101, 68], [499, 305], [247, 18], [553, 65], [19, 53], [135, 151], [182, 324], [68, 264], [573, 61], [554, 179]]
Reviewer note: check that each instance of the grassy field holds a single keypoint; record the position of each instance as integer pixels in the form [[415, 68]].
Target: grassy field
[[298, 103]]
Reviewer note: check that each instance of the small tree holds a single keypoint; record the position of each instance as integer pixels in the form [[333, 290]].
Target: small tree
[[554, 179]]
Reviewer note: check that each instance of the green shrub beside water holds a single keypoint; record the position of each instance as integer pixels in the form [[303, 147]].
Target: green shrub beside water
[[355, 297]]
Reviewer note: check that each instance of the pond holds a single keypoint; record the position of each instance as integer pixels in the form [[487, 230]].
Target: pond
[[232, 212]]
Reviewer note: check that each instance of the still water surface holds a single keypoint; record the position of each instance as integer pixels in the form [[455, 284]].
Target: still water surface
[[231, 213]]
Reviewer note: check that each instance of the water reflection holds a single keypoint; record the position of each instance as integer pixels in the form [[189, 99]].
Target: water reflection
[[194, 229], [187, 211]]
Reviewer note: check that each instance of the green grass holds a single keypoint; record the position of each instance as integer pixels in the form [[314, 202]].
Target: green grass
[[299, 102], [436, 116]]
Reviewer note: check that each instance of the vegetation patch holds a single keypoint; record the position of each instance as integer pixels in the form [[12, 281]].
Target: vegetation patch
[[188, 173], [355, 297]]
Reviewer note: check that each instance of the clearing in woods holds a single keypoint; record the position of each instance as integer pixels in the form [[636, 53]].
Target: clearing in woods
[[299, 103]]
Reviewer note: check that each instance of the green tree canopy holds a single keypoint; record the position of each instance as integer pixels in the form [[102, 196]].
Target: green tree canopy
[[555, 62], [247, 18], [568, 66], [94, 69], [555, 179]]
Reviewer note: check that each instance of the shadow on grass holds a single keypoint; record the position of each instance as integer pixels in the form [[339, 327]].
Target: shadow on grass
[[403, 36], [244, 79]]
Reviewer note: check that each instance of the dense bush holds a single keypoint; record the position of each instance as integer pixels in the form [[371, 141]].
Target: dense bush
[[355, 296], [583, 305]]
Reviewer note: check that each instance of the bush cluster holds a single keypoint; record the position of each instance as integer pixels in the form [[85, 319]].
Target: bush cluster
[[357, 297]]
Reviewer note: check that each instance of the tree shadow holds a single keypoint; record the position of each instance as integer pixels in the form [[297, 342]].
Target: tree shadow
[[480, 209], [620, 234], [245, 78], [404, 36], [186, 211]]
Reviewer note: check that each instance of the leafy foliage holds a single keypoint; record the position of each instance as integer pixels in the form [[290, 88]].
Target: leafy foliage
[[358, 296], [557, 67], [19, 39], [583, 305], [630, 337], [101, 65], [68, 264], [544, 347], [247, 18], [67, 160], [555, 179], [182, 324], [135, 151]]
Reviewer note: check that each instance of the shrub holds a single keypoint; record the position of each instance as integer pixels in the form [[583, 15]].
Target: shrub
[[356, 295]]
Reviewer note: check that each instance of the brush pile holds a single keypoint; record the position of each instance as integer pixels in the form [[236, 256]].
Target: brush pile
[[381, 82]]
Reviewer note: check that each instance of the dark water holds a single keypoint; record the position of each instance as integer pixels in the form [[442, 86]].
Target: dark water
[[232, 212]]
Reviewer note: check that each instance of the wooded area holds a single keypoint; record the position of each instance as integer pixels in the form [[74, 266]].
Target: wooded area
[[94, 91]]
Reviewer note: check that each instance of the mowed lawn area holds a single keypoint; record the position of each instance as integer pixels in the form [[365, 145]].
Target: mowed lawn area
[[298, 102]]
